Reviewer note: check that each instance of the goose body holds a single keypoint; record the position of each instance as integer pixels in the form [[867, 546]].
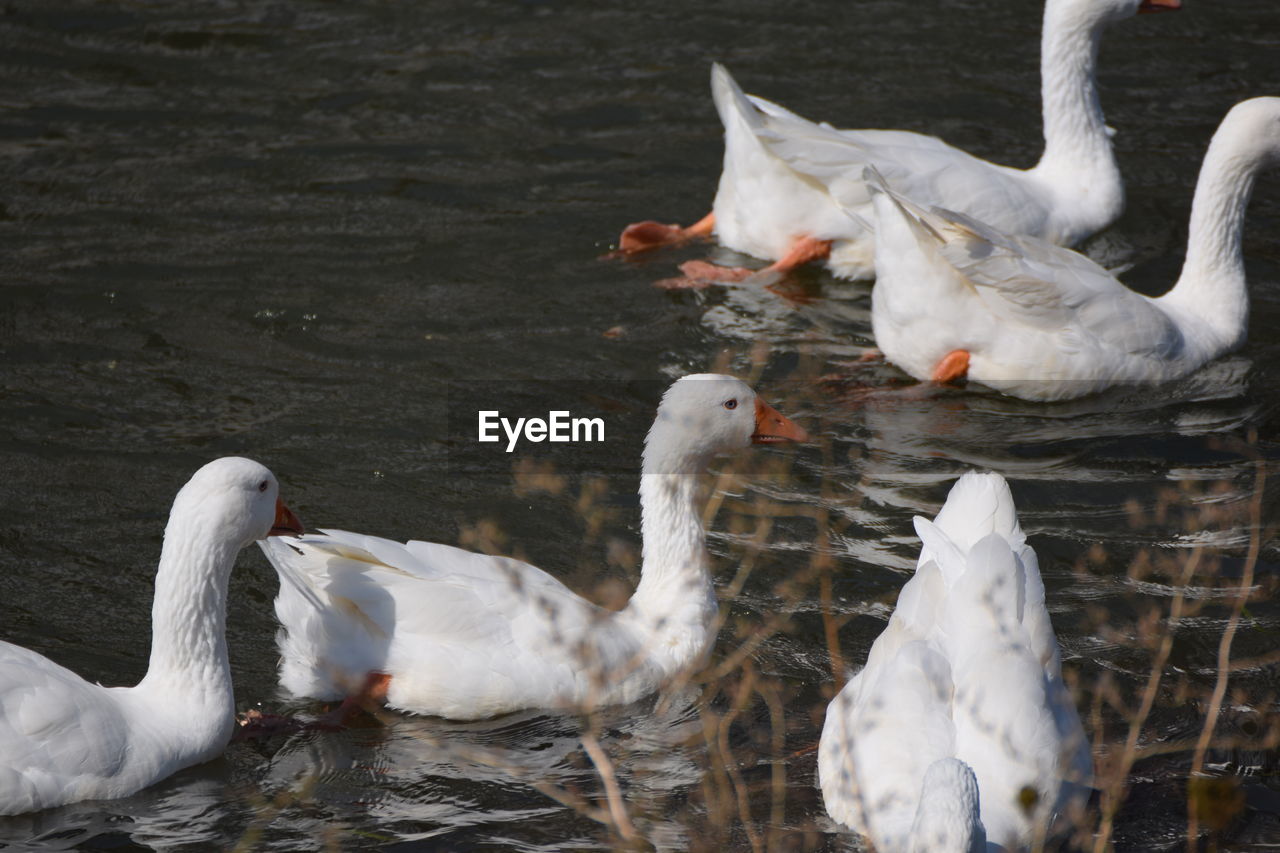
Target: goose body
[[792, 190], [467, 636], [1045, 323], [462, 635], [64, 739], [958, 735]]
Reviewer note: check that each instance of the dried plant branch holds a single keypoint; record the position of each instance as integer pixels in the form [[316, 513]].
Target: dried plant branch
[[1114, 793], [1224, 646], [772, 697], [746, 685], [613, 794]]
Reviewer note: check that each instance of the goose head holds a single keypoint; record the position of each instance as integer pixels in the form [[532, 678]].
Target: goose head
[[1252, 130], [706, 414], [239, 498], [1090, 14]]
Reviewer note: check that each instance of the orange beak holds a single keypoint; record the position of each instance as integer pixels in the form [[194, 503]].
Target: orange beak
[[1160, 5], [286, 522], [772, 427]]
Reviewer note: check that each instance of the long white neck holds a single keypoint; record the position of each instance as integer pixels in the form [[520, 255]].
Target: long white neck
[[675, 599], [1212, 285], [188, 621], [1078, 158]]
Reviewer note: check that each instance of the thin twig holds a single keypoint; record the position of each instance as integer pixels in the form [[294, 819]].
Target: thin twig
[[1224, 647], [613, 794], [1113, 795], [745, 691]]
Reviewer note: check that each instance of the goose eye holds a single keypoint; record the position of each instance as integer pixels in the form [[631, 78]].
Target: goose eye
[[731, 404], [262, 487]]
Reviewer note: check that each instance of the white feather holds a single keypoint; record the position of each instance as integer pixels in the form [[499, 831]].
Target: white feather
[[64, 739], [466, 635], [1043, 322], [962, 687], [785, 177]]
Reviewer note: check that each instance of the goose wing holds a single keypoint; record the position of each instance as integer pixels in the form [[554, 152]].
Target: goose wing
[[420, 588], [57, 732], [1035, 283]]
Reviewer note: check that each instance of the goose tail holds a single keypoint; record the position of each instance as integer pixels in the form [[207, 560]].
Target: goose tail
[[732, 103], [980, 503], [290, 565]]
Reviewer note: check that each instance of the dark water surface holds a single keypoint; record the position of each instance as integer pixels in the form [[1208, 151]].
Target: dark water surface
[[316, 233]]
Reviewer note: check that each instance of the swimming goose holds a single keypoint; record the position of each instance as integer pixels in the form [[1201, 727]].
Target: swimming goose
[[957, 297], [959, 733], [64, 739], [789, 186], [433, 629]]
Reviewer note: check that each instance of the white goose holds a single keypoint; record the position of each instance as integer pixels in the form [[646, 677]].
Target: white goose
[[956, 297], [788, 185], [433, 629], [959, 734], [63, 739]]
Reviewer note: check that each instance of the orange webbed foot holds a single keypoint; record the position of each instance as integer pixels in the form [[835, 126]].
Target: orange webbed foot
[[804, 250], [703, 227], [253, 724], [642, 236], [371, 696], [704, 271], [700, 274], [954, 365]]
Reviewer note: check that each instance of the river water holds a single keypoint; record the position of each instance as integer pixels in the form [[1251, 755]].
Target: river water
[[323, 234]]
